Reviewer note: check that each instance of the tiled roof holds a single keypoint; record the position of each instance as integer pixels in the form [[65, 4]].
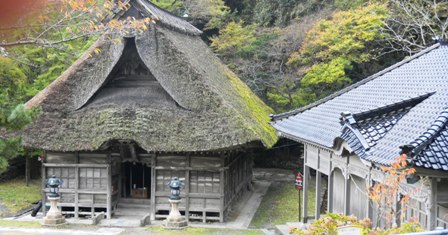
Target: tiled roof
[[431, 148], [364, 130], [390, 109]]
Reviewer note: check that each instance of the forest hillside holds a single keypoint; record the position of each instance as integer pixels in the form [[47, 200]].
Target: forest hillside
[[289, 52]]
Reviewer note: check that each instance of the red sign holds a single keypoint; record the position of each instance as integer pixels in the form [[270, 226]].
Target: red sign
[[299, 181]]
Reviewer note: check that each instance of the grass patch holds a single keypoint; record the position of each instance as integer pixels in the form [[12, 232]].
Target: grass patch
[[16, 196], [280, 205], [19, 224], [158, 230]]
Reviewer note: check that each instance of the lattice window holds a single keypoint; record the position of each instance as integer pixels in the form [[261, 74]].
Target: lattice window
[[67, 174], [416, 209], [164, 176], [204, 182], [93, 178]]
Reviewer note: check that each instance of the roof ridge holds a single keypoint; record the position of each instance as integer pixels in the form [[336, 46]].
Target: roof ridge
[[275, 117], [351, 122], [187, 28], [393, 106], [432, 132]]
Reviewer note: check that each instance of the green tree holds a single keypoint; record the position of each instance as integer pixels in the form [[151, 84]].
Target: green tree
[[12, 115], [333, 47], [234, 38], [211, 13]]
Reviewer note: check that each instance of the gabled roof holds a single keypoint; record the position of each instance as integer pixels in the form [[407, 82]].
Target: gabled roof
[[362, 131], [196, 102], [145, 8], [430, 149], [390, 109]]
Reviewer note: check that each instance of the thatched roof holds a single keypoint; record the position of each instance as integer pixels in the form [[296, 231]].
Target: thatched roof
[[184, 100]]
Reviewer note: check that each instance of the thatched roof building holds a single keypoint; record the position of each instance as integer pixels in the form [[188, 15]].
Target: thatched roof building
[[163, 88], [118, 125]]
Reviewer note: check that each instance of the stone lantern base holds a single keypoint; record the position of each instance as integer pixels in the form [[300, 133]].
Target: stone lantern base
[[54, 216], [175, 220]]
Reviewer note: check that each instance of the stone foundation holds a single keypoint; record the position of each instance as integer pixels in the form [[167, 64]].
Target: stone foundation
[[175, 220]]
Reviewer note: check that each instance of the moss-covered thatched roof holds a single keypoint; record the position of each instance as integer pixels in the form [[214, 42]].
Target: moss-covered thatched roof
[[213, 108]]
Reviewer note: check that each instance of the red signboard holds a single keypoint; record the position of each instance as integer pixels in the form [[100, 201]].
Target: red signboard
[[299, 181]]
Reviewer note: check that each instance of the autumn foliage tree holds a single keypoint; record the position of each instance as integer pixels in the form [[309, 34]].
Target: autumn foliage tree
[[386, 195]]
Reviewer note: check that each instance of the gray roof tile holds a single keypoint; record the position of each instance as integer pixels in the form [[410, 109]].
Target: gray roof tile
[[375, 103]]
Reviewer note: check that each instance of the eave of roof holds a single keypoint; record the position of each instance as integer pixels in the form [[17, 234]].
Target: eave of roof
[[221, 112]]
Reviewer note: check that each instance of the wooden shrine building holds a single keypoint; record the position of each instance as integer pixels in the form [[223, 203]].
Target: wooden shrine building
[[349, 135], [148, 107]]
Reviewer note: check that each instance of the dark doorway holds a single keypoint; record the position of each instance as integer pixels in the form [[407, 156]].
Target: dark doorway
[[136, 180]]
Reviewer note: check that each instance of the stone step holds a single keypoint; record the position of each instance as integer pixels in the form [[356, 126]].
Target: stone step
[[124, 222], [295, 224], [135, 201], [131, 206], [134, 212], [282, 229]]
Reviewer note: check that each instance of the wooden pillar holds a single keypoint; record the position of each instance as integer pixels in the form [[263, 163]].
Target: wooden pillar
[[432, 206], [44, 183], [77, 186], [153, 187], [27, 170], [187, 188], [346, 193], [370, 210], [109, 187], [221, 189], [330, 192], [306, 175], [318, 194]]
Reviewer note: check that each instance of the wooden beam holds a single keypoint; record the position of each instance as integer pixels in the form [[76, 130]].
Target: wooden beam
[[431, 173], [75, 165], [81, 191], [174, 168]]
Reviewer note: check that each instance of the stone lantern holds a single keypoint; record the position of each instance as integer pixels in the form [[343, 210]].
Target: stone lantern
[[175, 220], [54, 184], [54, 216], [175, 185]]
